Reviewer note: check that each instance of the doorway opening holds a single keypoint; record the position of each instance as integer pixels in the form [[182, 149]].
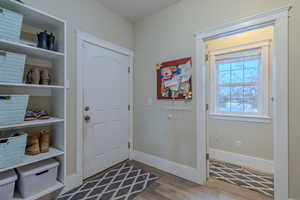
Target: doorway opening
[[256, 95], [239, 111]]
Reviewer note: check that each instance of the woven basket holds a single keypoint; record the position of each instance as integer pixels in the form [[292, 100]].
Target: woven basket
[[10, 25], [12, 109], [11, 67], [12, 150]]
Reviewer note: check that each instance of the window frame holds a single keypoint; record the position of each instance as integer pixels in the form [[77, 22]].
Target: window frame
[[263, 84]]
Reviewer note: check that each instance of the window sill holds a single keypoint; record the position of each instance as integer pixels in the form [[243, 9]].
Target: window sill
[[246, 118]]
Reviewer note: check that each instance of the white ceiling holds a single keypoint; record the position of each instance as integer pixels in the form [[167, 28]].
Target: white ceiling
[[135, 10]]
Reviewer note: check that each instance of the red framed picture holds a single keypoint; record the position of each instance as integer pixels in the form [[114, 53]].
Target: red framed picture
[[174, 80]]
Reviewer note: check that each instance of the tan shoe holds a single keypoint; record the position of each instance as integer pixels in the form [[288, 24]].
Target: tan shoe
[[44, 140], [45, 77], [33, 146], [36, 76]]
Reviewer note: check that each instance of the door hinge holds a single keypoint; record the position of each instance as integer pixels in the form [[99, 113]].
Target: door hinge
[[129, 145], [207, 156], [206, 107], [129, 70], [129, 107]]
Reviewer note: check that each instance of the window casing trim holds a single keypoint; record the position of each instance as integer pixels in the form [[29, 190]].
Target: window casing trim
[[238, 117], [264, 114]]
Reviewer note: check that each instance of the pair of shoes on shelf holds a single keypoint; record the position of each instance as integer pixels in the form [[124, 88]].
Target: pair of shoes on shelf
[[35, 115], [37, 144], [37, 76]]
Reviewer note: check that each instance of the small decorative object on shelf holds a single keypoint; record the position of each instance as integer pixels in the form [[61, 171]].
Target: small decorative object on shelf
[[174, 80], [51, 42], [42, 40], [46, 41]]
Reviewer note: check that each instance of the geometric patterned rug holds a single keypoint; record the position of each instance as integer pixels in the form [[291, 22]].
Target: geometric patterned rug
[[121, 183], [242, 177]]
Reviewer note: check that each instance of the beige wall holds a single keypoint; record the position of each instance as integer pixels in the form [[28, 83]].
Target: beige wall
[[91, 17], [223, 134], [169, 35], [163, 36], [249, 37]]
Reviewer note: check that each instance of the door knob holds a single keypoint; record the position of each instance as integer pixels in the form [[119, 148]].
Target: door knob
[[87, 108], [87, 118]]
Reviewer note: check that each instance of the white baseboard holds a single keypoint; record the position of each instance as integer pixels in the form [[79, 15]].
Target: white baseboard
[[71, 182], [171, 167], [239, 159]]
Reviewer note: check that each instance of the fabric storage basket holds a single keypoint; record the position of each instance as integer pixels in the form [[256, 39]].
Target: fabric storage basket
[[10, 25], [7, 184], [11, 67], [12, 109], [12, 150], [37, 177]]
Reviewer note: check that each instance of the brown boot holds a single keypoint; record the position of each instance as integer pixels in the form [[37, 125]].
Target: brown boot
[[33, 146], [44, 140], [36, 76]]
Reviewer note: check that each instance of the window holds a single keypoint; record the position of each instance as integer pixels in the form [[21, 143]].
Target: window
[[239, 81]]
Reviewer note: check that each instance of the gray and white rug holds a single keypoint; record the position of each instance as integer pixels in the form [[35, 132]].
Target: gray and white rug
[[242, 177], [122, 183]]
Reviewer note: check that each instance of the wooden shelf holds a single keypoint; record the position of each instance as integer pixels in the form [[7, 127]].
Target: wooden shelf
[[31, 85], [33, 123], [29, 50], [54, 188], [32, 159]]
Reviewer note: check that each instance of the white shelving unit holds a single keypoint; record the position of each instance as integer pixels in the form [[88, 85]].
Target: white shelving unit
[[55, 93]]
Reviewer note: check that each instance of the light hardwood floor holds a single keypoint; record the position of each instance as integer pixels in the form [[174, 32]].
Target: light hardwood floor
[[170, 187]]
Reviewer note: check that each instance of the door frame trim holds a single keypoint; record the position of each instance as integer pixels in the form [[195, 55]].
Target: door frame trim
[[85, 37], [279, 19]]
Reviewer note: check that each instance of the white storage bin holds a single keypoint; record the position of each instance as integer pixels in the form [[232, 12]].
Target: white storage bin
[[7, 184], [10, 25], [11, 67], [37, 177], [12, 109]]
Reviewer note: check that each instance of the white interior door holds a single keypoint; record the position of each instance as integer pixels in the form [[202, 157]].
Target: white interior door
[[106, 98]]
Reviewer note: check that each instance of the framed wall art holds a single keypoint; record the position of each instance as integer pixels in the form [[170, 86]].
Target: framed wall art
[[174, 79]]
